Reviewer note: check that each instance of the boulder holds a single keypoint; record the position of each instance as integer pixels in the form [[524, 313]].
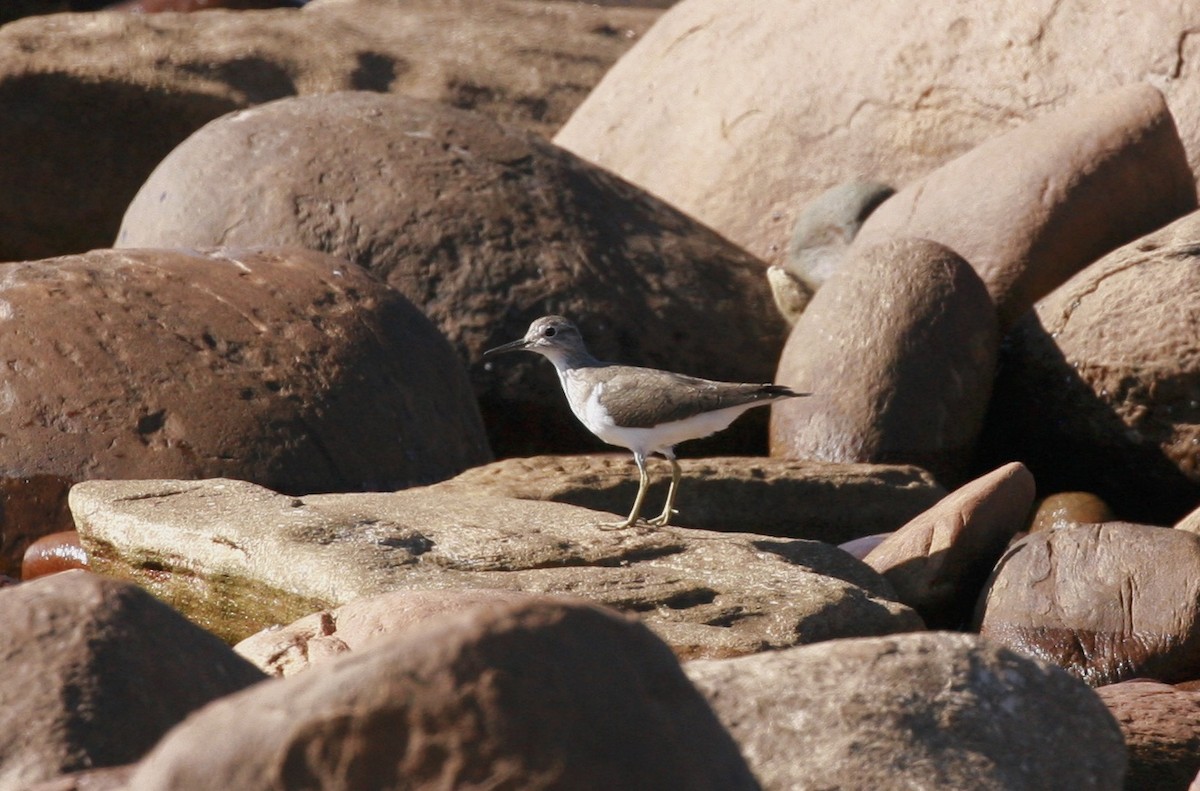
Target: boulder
[[95, 672], [898, 348], [939, 561], [1067, 508], [1161, 726], [741, 115], [1096, 388], [237, 557], [1107, 602], [286, 367], [484, 227], [1032, 207], [90, 103], [541, 694], [778, 497], [926, 710]]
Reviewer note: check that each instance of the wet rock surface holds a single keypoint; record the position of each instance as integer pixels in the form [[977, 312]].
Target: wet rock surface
[[237, 557], [1108, 602]]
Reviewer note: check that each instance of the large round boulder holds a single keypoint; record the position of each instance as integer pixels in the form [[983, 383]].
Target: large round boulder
[[741, 113], [484, 227], [289, 368]]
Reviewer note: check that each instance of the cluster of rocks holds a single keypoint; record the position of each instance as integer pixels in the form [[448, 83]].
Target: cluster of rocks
[[325, 544]]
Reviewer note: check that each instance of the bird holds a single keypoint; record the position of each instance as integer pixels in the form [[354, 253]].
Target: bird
[[645, 410]]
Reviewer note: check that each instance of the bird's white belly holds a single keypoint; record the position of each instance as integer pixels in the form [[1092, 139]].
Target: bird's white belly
[[645, 440]]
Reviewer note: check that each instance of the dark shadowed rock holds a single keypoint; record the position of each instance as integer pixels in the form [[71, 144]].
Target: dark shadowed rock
[[286, 367], [1161, 725], [538, 695], [1107, 602], [109, 779], [1099, 388], [778, 497], [1032, 207], [238, 557], [939, 560], [742, 114], [95, 672], [899, 348], [926, 710], [90, 103], [484, 227], [31, 506]]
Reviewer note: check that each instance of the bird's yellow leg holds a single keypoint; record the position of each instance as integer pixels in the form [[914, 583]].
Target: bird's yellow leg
[[643, 485], [665, 517]]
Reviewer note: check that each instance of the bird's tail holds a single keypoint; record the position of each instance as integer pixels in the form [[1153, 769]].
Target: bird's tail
[[780, 391]]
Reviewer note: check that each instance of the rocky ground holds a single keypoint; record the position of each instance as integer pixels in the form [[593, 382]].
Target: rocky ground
[[268, 518]]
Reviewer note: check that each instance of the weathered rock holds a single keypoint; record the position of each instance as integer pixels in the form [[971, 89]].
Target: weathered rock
[[286, 367], [95, 672], [1097, 388], [1060, 192], [90, 103], [778, 497], [485, 228], [823, 233], [322, 636], [53, 553], [109, 779], [539, 695], [1107, 602], [1190, 522], [927, 710], [237, 557], [899, 349], [939, 561], [740, 115], [1069, 508], [31, 506], [1161, 726], [187, 6]]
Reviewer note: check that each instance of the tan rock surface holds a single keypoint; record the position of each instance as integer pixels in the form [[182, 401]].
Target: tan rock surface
[[236, 557], [816, 500], [741, 114]]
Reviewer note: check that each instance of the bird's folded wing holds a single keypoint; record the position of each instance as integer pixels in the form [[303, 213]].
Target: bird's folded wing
[[645, 397]]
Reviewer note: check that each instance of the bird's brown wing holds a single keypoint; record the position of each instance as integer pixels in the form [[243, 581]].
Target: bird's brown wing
[[645, 397]]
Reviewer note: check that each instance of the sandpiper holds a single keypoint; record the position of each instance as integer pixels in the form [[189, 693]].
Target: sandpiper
[[643, 409]]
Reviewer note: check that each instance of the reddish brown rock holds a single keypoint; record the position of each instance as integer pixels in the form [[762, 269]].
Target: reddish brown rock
[[741, 114], [484, 227], [1031, 208], [186, 6], [286, 367], [31, 506], [544, 694], [322, 636], [53, 553], [1097, 388], [939, 561], [90, 103], [899, 348], [1161, 726], [1107, 602], [925, 710], [1069, 508], [95, 672]]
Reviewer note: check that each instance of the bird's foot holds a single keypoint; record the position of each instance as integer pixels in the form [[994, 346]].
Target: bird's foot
[[663, 519], [622, 525]]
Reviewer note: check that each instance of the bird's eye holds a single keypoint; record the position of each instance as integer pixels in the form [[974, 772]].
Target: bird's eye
[[549, 332]]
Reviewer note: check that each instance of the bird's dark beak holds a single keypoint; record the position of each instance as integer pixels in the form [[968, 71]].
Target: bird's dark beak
[[515, 346]]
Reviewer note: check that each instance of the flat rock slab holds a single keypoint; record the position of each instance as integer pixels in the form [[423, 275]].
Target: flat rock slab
[[236, 557], [817, 500]]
